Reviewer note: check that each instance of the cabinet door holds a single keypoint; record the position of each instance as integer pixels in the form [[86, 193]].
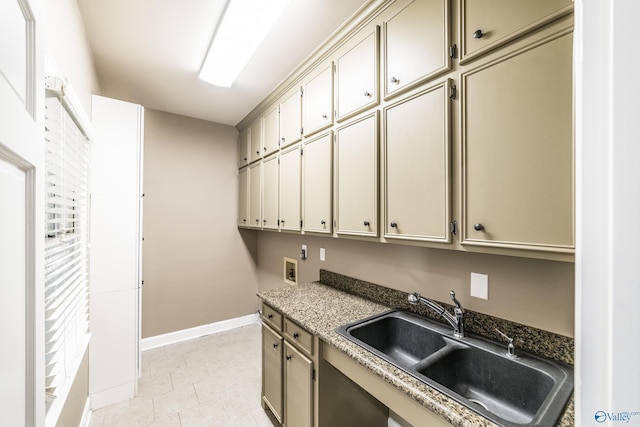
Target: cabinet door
[[272, 371], [243, 197], [271, 124], [290, 189], [488, 24], [517, 144], [316, 184], [318, 100], [270, 174], [357, 177], [255, 141], [417, 184], [299, 388], [357, 77], [243, 148], [291, 119], [255, 195], [416, 44]]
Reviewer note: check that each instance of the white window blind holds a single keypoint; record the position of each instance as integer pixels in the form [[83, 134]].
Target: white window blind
[[66, 242]]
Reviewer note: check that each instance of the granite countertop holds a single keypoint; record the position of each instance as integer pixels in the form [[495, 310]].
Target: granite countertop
[[320, 309]]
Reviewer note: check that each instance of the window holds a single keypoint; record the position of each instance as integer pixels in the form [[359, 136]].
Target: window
[[66, 243]]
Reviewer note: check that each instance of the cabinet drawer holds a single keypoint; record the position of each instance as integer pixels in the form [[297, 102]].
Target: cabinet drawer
[[272, 317], [298, 336]]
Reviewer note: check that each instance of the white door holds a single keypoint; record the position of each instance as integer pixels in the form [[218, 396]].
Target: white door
[[21, 215]]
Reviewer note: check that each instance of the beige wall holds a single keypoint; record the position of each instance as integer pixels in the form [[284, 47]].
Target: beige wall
[[197, 267], [68, 48], [532, 292]]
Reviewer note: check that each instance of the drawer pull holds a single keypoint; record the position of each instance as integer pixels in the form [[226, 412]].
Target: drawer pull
[[275, 345], [296, 335], [478, 34], [270, 316], [289, 357]]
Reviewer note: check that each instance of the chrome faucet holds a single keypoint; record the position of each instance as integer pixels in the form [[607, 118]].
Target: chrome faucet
[[456, 322]]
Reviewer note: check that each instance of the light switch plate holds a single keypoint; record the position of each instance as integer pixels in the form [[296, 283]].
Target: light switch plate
[[322, 254], [480, 285]]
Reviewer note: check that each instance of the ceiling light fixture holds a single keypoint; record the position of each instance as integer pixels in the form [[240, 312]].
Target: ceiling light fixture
[[244, 26]]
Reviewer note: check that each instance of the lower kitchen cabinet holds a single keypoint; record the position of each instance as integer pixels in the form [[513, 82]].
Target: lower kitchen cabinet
[[272, 369], [288, 370], [299, 373]]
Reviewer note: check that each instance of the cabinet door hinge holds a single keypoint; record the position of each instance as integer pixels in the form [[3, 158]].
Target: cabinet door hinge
[[313, 374], [453, 51], [453, 227], [302, 151], [301, 130], [300, 223], [453, 91]]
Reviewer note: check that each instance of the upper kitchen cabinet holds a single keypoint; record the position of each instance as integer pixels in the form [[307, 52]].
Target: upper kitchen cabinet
[[357, 74], [255, 141], [291, 118], [488, 24], [243, 197], [317, 100], [416, 44], [416, 166], [317, 159], [517, 147], [243, 148], [290, 217], [357, 177], [270, 183], [255, 195], [271, 130]]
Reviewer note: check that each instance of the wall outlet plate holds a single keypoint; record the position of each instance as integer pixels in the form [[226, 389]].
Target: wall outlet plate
[[480, 285]]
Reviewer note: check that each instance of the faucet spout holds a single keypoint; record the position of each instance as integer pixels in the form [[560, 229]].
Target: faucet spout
[[456, 320]]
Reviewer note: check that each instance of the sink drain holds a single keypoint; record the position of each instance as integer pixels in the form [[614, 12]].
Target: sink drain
[[477, 402]]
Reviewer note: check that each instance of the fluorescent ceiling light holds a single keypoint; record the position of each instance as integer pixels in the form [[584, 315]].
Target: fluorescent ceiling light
[[244, 26]]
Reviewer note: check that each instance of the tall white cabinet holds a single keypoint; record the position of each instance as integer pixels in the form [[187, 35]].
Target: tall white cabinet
[[116, 230]]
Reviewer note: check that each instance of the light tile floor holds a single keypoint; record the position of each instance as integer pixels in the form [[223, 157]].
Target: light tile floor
[[212, 381]]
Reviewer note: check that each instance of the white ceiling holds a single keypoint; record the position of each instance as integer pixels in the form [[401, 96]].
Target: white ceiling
[[150, 52]]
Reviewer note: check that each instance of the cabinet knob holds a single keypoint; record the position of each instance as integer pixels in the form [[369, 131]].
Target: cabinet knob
[[325, 117], [245, 159], [296, 335], [478, 227], [282, 140], [264, 148], [282, 221], [244, 219], [394, 225], [395, 80], [264, 221], [366, 223], [289, 357], [367, 94], [257, 221], [323, 222], [275, 345], [270, 316], [478, 34]]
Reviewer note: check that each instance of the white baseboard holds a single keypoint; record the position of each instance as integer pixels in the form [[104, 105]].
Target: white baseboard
[[199, 331], [112, 395]]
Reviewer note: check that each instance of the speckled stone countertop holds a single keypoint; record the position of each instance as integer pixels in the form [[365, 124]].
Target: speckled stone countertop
[[321, 308]]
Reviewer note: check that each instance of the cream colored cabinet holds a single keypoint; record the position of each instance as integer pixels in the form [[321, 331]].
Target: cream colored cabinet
[[270, 181], [291, 118], [416, 44], [299, 388], [272, 371], [417, 172], [271, 130], [290, 189], [489, 24], [243, 197], [255, 141], [317, 99], [255, 195], [517, 146], [243, 148], [317, 162], [357, 75], [357, 177]]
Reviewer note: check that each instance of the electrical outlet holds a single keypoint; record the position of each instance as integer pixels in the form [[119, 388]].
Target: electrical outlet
[[480, 285], [303, 252], [322, 254]]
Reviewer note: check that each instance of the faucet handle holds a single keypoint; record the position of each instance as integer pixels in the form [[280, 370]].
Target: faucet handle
[[413, 298], [452, 294]]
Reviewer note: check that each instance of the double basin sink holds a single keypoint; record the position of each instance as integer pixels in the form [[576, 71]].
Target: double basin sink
[[511, 391]]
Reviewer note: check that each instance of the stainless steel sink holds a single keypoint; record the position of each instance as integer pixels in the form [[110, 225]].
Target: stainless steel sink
[[523, 391]]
